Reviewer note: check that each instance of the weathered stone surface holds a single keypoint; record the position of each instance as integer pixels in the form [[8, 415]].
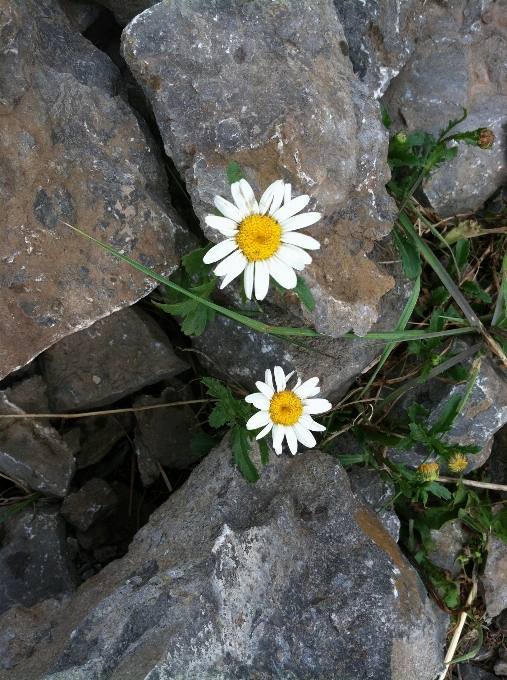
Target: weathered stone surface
[[34, 454], [71, 150], [498, 459], [483, 414], [116, 356], [293, 576], [33, 558], [80, 14], [268, 85], [469, 672], [380, 37], [93, 502], [377, 493], [493, 580], [458, 62], [244, 354], [30, 395], [163, 435], [449, 541]]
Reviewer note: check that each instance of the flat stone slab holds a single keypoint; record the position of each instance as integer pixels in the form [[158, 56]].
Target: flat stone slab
[[291, 577], [72, 150], [270, 86]]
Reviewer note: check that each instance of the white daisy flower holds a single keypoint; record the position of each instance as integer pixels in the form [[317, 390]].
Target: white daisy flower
[[262, 238], [287, 412]]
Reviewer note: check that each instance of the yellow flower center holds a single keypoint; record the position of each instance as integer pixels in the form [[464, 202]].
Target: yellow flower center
[[259, 237], [285, 408]]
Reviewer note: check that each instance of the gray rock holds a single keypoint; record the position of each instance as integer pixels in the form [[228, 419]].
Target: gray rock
[[94, 537], [336, 362], [380, 37], [469, 672], [34, 454], [125, 10], [163, 435], [293, 576], [268, 85], [377, 494], [118, 355], [93, 502], [497, 462], [449, 541], [72, 151], [30, 395], [33, 557], [457, 62], [98, 436], [493, 580], [80, 14], [483, 414]]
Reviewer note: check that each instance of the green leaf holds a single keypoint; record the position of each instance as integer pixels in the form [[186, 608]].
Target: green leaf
[[409, 253], [439, 491], [240, 442], [473, 288], [457, 373], [193, 261], [12, 510], [417, 411], [264, 450], [220, 415], [304, 294], [439, 295], [203, 443], [448, 416], [215, 388], [386, 120], [234, 173], [462, 251], [417, 138]]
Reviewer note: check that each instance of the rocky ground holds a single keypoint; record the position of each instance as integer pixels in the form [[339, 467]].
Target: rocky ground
[[123, 555]]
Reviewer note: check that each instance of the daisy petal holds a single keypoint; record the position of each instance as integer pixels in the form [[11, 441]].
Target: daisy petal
[[287, 193], [224, 225], [238, 268], [231, 263], [310, 423], [261, 403], [303, 391], [265, 431], [282, 272], [291, 208], [292, 440], [304, 435], [260, 419], [278, 435], [266, 390], [220, 251], [289, 376], [293, 256], [261, 279], [244, 198], [250, 398], [300, 221], [315, 406], [269, 379], [228, 209], [301, 240], [279, 379], [249, 279], [273, 196]]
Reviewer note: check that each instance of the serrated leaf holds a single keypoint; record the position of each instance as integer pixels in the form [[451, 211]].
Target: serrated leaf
[[215, 388], [203, 443], [240, 443], [409, 254], [418, 138], [457, 373], [439, 491], [234, 173], [439, 295], [448, 416], [386, 120], [264, 450], [304, 294], [193, 261], [416, 411], [220, 415], [450, 153], [473, 288]]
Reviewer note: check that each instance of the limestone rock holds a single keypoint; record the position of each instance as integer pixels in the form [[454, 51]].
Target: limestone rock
[[33, 453], [449, 541], [98, 436], [30, 395], [80, 14], [268, 85], [493, 580], [33, 557], [163, 435], [118, 355], [377, 493], [291, 576], [125, 10], [72, 151], [457, 62], [93, 502]]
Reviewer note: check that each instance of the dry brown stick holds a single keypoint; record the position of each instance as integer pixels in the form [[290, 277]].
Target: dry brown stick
[[104, 413], [470, 482]]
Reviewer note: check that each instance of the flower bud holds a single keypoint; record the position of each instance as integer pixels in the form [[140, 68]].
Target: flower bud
[[457, 463], [428, 471], [486, 139]]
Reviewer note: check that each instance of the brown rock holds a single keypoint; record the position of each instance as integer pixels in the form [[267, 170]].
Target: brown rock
[[72, 151], [116, 356], [93, 502]]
